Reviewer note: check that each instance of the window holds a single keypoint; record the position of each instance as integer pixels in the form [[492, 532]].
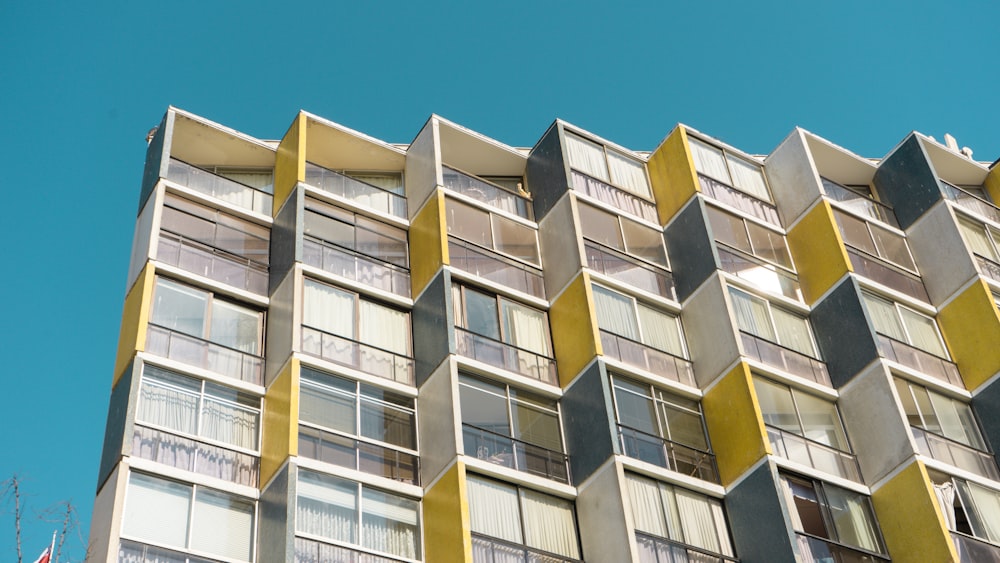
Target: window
[[622, 234], [969, 508], [860, 199], [875, 240], [681, 516], [802, 414], [981, 239], [501, 319], [215, 229], [342, 511], [493, 231], [933, 412], [198, 313], [624, 316], [729, 169], [904, 325], [388, 181], [758, 317], [355, 232], [607, 165], [522, 517], [344, 313], [189, 517], [820, 511], [749, 237]]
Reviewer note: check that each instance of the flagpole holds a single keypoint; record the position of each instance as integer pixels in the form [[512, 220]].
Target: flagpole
[[52, 548]]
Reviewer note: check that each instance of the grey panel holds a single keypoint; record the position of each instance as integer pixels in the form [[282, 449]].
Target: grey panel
[[545, 173], [986, 404], [588, 422], [907, 183], [845, 339], [432, 322], [154, 159], [757, 519], [286, 245], [118, 421], [275, 537], [689, 245]]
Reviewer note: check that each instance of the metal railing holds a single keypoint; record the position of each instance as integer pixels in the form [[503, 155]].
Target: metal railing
[[654, 549], [975, 550], [195, 456], [516, 454], [352, 353], [644, 357], [949, 451], [312, 551], [969, 201], [488, 265], [988, 268], [354, 266], [857, 203], [785, 359], [817, 549], [219, 187], [879, 271], [363, 456], [628, 270], [814, 454], [212, 263], [668, 454], [915, 358], [352, 189], [736, 199], [492, 550], [615, 197], [505, 356], [766, 276], [486, 192], [202, 353]]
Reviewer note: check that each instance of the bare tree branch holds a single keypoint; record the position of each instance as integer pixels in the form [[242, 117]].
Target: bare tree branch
[[11, 489]]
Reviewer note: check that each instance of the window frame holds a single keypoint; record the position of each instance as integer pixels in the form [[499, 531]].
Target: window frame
[[635, 303], [976, 428], [990, 232], [726, 153], [654, 396], [625, 246], [207, 314], [318, 207], [184, 206], [605, 149], [897, 306], [510, 399], [460, 320], [879, 252], [793, 394], [747, 221], [493, 216], [356, 325], [770, 318]]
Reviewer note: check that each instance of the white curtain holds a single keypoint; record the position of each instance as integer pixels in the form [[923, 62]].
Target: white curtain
[[549, 524], [229, 423], [793, 331], [751, 315], [157, 510], [978, 241], [709, 160], [748, 177], [628, 173], [587, 157], [168, 406], [326, 507], [384, 327], [956, 420], [333, 409], [493, 510], [647, 509], [660, 330], [923, 332], [234, 326], [696, 514], [945, 494], [615, 313], [328, 309], [525, 327], [222, 525], [884, 317], [389, 523]]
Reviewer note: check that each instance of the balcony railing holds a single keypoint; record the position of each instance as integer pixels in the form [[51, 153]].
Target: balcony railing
[[134, 552], [970, 202], [860, 204], [763, 275], [515, 454], [229, 191], [812, 548], [988, 268], [491, 550], [486, 192], [668, 454], [738, 200], [352, 453], [201, 353], [628, 270], [357, 267], [785, 359], [915, 358], [615, 197], [358, 355], [654, 549], [814, 454], [639, 355], [974, 550], [949, 451], [878, 271], [505, 356], [351, 189], [491, 266], [311, 551], [195, 456], [212, 263]]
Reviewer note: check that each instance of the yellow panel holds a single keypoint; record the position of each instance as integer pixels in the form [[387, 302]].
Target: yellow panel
[[735, 424], [575, 335], [428, 242], [992, 183], [911, 520], [672, 174], [818, 251], [971, 328], [135, 317], [290, 162], [281, 422], [447, 527]]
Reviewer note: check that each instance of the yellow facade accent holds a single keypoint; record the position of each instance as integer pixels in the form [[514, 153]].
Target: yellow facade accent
[[290, 162], [575, 336], [428, 242], [281, 422], [818, 250], [735, 424], [971, 328], [992, 183], [672, 175], [447, 525], [912, 524], [135, 318]]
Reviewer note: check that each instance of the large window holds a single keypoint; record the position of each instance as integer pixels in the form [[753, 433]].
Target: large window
[[607, 165], [492, 231], [941, 415], [749, 237], [875, 240], [215, 228], [189, 517], [624, 316], [970, 509], [622, 234], [904, 325], [729, 169], [355, 232], [981, 239], [198, 313], [342, 512], [827, 517], [758, 317]]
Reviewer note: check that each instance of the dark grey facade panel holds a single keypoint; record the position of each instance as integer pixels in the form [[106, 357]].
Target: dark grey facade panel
[[275, 530], [545, 173], [588, 422], [433, 338], [118, 420], [757, 521], [285, 242], [986, 405], [907, 183], [154, 160], [841, 328], [689, 246]]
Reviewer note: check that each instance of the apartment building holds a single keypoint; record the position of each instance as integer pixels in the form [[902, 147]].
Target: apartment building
[[338, 349]]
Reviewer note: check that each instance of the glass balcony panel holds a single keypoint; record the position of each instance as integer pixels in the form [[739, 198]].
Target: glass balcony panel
[[495, 268], [880, 272], [965, 199], [654, 549], [646, 358], [668, 454], [972, 550], [515, 454], [135, 552], [917, 359], [492, 550], [954, 453], [195, 456], [785, 359], [204, 354], [347, 452], [766, 276], [739, 200], [859, 203], [356, 267], [988, 268], [358, 355], [218, 187], [819, 550], [630, 271], [818, 456], [351, 189], [615, 197], [311, 551], [486, 192], [505, 356], [212, 263]]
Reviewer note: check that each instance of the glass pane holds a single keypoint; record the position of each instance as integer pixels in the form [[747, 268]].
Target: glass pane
[[660, 330], [957, 421], [909, 405], [647, 510], [222, 525], [728, 229], [481, 314], [978, 241], [853, 519], [793, 331], [923, 332], [982, 507], [600, 226], [387, 423], [384, 327], [157, 510], [615, 313], [697, 519], [821, 421], [549, 524], [514, 239], [892, 247], [709, 161], [884, 317], [645, 242], [328, 309], [536, 426], [808, 515], [382, 241], [469, 223], [484, 406], [229, 423], [169, 400], [329, 408], [235, 327], [769, 245], [684, 426], [752, 314], [587, 157], [200, 228], [777, 406], [635, 406], [179, 308], [326, 507], [855, 232]]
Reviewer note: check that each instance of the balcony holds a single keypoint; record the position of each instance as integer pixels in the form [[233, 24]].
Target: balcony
[[812, 548], [628, 270], [785, 359], [615, 197], [491, 550], [486, 192], [668, 454], [212, 263], [311, 551], [351, 453], [135, 552], [859, 204], [915, 358], [195, 456], [356, 191], [495, 268], [505, 356], [653, 549], [988, 268], [814, 454], [229, 191], [201, 353], [766, 276], [973, 550], [358, 355], [968, 201], [739, 200], [515, 454], [355, 267], [954, 453], [639, 355], [878, 271]]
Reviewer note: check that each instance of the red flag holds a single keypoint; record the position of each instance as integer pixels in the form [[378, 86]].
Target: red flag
[[44, 557]]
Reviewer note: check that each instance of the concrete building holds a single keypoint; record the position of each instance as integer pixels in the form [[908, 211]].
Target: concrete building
[[337, 349]]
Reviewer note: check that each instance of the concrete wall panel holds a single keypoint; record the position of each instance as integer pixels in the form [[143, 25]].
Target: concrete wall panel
[[601, 509], [575, 336], [940, 253], [906, 504], [283, 326], [447, 535], [120, 422], [280, 421], [792, 175], [711, 331], [971, 328], [157, 157], [135, 319], [290, 161], [818, 251], [428, 243], [276, 519], [286, 237], [672, 175], [423, 170], [735, 424], [562, 250], [440, 426]]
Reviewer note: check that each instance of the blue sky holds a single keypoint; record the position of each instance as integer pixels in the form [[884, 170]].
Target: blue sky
[[82, 83]]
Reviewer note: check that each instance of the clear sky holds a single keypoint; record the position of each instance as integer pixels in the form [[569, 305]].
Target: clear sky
[[82, 82]]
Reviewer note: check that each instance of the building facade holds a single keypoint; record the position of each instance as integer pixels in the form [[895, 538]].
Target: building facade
[[337, 349]]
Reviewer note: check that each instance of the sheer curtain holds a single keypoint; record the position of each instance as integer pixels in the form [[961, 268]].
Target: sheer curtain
[[660, 330], [923, 332], [945, 494], [389, 524], [628, 173], [647, 509], [884, 317], [229, 423], [384, 327], [852, 519], [328, 309], [977, 240], [709, 160], [587, 157], [168, 406], [525, 327], [699, 522], [793, 332], [751, 315], [493, 510], [615, 313], [549, 524], [326, 507], [748, 177]]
